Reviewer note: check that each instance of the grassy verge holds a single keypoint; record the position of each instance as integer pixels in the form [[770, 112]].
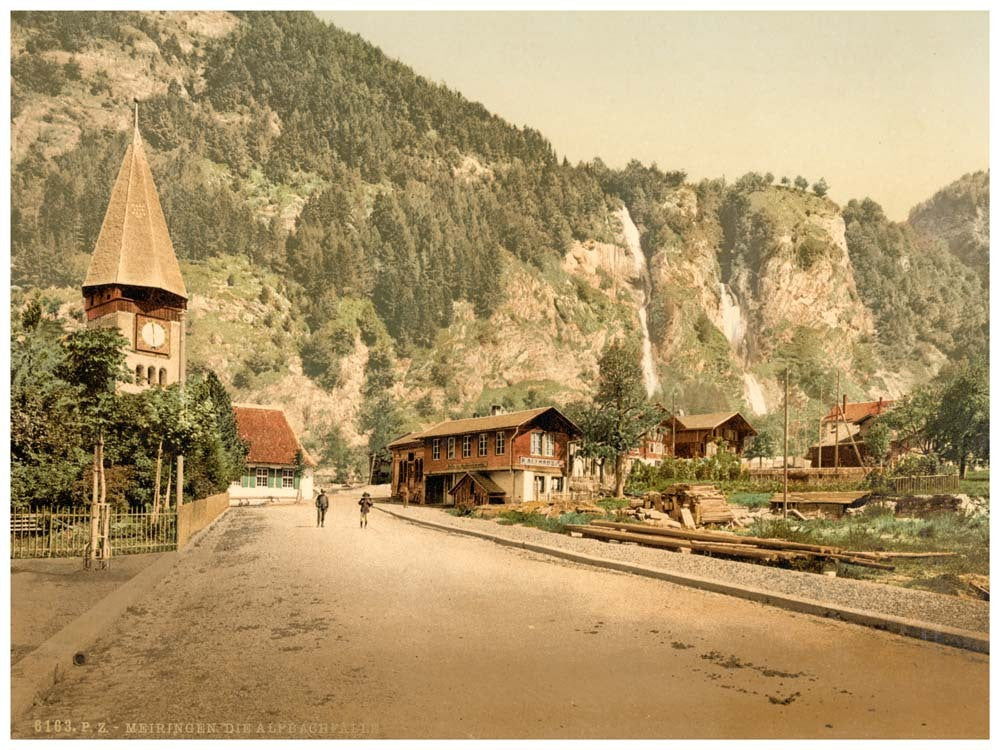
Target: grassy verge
[[976, 484], [878, 530]]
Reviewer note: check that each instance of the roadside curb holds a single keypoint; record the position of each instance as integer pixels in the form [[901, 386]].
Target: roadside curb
[[46, 666], [940, 634]]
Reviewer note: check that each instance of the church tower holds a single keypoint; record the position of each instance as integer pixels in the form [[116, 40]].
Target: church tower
[[134, 282]]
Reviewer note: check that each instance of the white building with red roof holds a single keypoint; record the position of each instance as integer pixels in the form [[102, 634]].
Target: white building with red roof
[[278, 468]]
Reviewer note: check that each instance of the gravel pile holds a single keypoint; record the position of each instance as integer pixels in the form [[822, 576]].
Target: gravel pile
[[967, 614]]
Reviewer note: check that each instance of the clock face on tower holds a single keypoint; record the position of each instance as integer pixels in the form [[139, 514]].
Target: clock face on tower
[[151, 335]]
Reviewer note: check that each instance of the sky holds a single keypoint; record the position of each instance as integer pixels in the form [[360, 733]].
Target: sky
[[891, 105]]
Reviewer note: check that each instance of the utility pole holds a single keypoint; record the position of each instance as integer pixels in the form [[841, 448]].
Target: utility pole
[[819, 444], [784, 503], [836, 442], [673, 425]]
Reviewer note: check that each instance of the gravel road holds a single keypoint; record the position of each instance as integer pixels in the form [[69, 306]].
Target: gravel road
[[967, 614], [270, 627]]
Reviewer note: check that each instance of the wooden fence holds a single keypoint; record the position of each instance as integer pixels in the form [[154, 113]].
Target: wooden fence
[[199, 514], [66, 532], [924, 485]]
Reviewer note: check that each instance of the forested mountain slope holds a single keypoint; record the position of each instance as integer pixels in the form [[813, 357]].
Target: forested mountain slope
[[374, 251]]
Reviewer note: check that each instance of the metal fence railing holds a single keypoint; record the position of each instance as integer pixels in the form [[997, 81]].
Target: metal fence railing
[[65, 532], [924, 484]]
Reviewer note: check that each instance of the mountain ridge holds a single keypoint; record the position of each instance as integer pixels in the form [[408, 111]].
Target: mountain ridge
[[391, 237]]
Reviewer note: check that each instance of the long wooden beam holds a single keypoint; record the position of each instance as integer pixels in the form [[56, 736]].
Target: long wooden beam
[[775, 544]]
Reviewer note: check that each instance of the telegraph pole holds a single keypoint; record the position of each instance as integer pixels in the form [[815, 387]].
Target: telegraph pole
[[819, 444], [784, 503], [673, 425], [836, 422]]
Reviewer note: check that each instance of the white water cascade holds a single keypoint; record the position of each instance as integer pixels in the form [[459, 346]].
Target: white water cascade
[[733, 325], [754, 394], [631, 232]]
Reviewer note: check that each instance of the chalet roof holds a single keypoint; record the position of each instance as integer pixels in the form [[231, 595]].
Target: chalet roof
[[848, 431], [494, 422], [859, 410], [134, 248], [711, 421], [270, 438], [491, 487], [410, 437]]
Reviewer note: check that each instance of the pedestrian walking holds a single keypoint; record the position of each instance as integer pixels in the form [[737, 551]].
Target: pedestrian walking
[[322, 503], [366, 505]]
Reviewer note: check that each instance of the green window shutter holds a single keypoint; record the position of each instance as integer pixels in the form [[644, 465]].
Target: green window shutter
[[297, 482], [270, 478], [245, 479]]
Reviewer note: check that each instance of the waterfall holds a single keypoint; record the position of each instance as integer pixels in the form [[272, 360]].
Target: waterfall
[[733, 325], [754, 394], [631, 232]]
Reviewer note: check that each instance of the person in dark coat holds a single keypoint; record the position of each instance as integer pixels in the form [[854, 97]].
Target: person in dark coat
[[322, 503], [366, 505]]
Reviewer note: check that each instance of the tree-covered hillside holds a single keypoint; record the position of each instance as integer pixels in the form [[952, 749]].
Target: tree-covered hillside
[[374, 251], [413, 192]]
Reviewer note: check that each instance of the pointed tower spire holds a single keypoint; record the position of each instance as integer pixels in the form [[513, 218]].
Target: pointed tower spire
[[134, 247]]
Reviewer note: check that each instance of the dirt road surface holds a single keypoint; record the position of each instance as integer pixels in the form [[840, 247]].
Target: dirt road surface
[[271, 628]]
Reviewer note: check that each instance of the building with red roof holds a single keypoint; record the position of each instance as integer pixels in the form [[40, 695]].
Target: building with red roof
[[278, 468]]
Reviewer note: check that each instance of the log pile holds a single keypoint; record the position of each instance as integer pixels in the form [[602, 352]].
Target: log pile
[[723, 544], [705, 503]]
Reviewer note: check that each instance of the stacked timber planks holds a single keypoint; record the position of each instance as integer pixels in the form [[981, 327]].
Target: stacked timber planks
[[705, 503], [723, 544]]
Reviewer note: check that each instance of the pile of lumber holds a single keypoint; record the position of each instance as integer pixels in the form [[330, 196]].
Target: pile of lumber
[[704, 503], [723, 544]]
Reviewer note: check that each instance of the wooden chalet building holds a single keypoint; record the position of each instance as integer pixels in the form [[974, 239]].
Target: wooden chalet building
[[501, 458], [274, 449], [843, 436], [699, 435]]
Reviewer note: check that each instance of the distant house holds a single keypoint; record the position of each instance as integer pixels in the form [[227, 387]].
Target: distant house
[[844, 429], [653, 446], [699, 435], [500, 458], [278, 468]]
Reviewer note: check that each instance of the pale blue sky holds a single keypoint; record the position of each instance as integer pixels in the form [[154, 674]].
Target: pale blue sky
[[891, 105]]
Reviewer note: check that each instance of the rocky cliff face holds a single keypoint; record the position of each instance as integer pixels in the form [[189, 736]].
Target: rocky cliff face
[[959, 216]]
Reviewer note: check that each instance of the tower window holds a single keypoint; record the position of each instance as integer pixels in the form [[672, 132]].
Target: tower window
[[163, 376], [140, 374], [151, 376]]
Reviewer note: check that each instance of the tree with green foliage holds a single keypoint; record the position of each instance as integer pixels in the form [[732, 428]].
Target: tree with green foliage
[[820, 187], [961, 427], [762, 446], [94, 364], [911, 417], [801, 182], [877, 441], [47, 450], [620, 413]]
